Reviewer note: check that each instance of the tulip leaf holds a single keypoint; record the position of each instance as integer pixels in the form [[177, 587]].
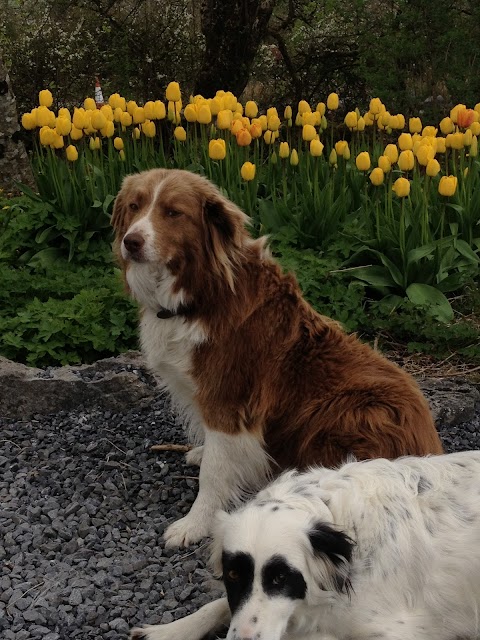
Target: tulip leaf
[[375, 275], [434, 300], [467, 251], [393, 269]]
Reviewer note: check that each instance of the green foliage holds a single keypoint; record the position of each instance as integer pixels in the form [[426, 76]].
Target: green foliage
[[64, 315]]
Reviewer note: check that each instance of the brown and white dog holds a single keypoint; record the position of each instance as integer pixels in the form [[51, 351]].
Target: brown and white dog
[[265, 381]]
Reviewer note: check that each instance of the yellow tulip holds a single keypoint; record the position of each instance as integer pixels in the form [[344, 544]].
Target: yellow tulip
[[321, 108], [369, 119], [118, 143], [95, 144], [76, 134], [377, 176], [467, 138], [406, 160], [332, 158], [287, 114], [107, 111], [190, 113], [138, 115], [149, 129], [149, 109], [473, 152], [63, 126], [447, 126], [230, 101], [384, 164], [309, 132], [425, 153], [433, 167], [332, 101], [98, 120], [72, 153], [299, 120], [117, 114], [401, 187], [216, 105], [405, 141], [351, 120], [247, 171], [89, 104], [251, 109], [224, 119], [126, 119], [284, 150], [294, 158], [316, 148], [311, 118], [273, 157], [180, 134], [454, 140], [204, 115], [160, 111], [447, 185], [63, 112], [363, 161], [341, 147], [173, 92], [269, 136], [361, 124], [237, 125], [121, 155], [273, 123], [217, 149], [47, 136], [303, 107], [375, 106], [58, 141], [415, 125], [391, 151], [429, 131], [45, 98], [400, 121], [29, 121], [79, 119], [475, 128], [44, 116]]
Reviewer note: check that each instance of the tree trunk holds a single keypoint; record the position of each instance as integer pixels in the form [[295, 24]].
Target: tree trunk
[[233, 32], [14, 165]]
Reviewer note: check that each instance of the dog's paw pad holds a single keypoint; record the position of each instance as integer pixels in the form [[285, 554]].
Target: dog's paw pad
[[184, 532], [194, 456]]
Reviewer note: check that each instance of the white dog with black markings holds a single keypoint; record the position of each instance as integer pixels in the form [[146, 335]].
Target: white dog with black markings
[[376, 549]]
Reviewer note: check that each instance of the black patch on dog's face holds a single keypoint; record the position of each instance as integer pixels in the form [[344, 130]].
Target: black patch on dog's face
[[238, 577], [281, 579]]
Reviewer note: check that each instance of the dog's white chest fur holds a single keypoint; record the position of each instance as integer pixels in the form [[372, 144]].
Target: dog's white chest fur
[[168, 345]]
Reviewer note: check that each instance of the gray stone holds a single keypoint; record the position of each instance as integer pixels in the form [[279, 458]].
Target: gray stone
[[114, 383], [452, 400]]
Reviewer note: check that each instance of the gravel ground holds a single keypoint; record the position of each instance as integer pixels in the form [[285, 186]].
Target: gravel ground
[[83, 504]]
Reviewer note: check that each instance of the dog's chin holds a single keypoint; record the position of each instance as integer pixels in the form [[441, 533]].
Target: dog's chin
[[150, 283]]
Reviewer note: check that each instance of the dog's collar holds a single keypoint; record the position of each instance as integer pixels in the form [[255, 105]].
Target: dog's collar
[[182, 310]]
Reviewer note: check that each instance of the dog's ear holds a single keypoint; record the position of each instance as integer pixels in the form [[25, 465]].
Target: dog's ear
[[225, 234], [216, 547], [334, 548], [119, 211]]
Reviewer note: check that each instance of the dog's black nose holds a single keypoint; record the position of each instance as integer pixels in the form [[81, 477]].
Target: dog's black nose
[[134, 243]]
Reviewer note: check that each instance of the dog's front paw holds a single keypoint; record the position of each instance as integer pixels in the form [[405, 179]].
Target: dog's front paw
[[194, 456], [156, 632], [185, 532]]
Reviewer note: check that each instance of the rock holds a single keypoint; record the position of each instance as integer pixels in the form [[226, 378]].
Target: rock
[[113, 383], [452, 400]]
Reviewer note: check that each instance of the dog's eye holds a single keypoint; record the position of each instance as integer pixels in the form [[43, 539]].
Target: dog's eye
[[233, 575], [173, 213], [279, 579], [133, 206]]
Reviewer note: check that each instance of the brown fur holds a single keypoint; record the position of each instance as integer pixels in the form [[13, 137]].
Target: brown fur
[[272, 365]]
